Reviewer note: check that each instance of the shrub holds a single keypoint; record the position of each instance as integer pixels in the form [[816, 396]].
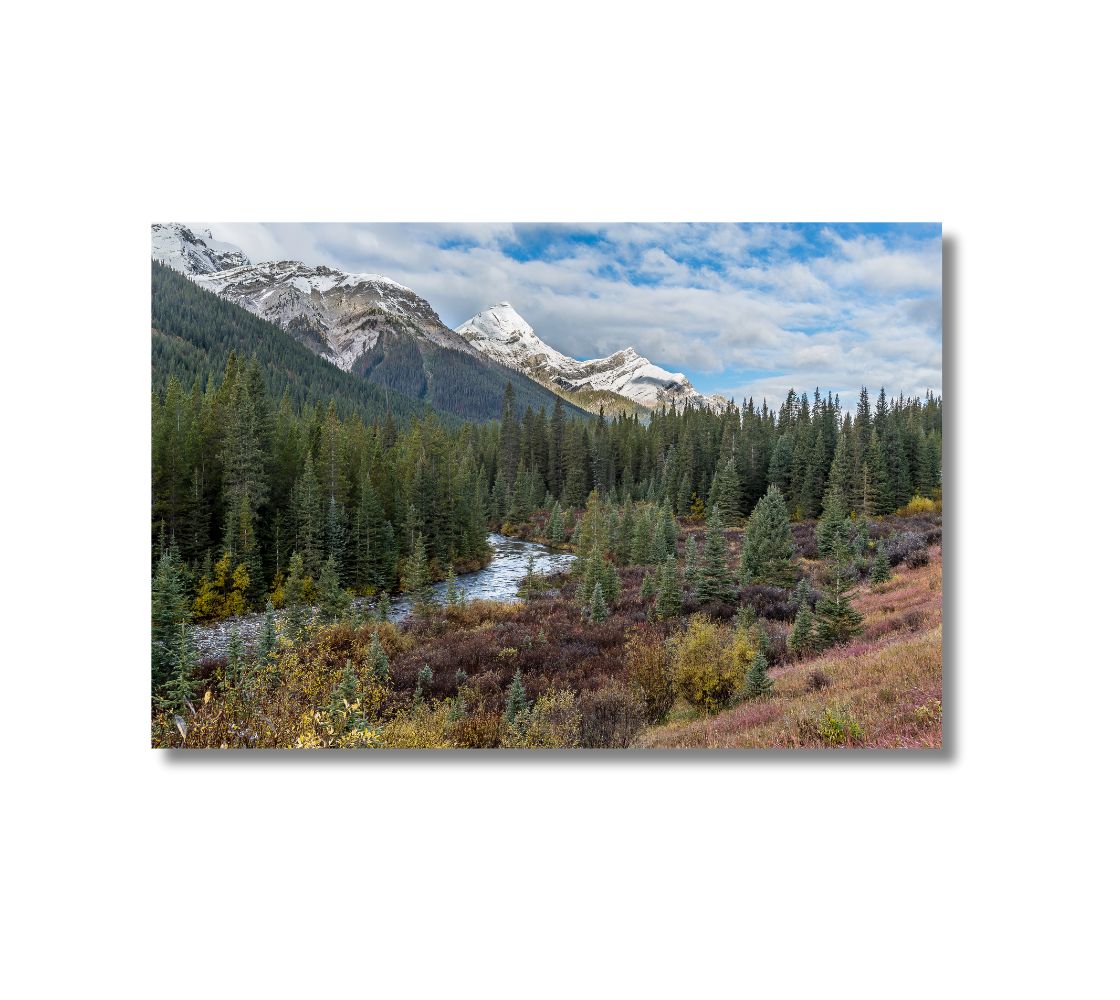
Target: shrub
[[836, 728], [919, 557], [612, 716], [650, 670], [900, 544], [478, 730], [773, 602], [553, 723], [817, 680], [918, 505], [702, 674], [425, 727]]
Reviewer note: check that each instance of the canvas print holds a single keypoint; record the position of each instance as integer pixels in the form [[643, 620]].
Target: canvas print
[[546, 486]]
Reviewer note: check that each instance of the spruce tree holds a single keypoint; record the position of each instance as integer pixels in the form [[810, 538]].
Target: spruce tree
[[758, 683], [555, 533], [170, 608], [832, 528], [235, 662], [649, 585], [837, 620], [715, 582], [596, 610], [416, 580], [669, 599], [767, 555], [881, 567], [800, 639], [454, 595], [377, 663], [516, 701], [342, 708], [267, 643], [691, 563], [333, 600], [180, 687], [423, 684]]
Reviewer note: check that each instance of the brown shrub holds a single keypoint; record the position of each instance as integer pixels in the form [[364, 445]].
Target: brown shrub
[[650, 670], [612, 716]]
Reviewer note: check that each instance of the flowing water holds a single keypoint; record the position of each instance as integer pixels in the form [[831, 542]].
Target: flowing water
[[496, 582]]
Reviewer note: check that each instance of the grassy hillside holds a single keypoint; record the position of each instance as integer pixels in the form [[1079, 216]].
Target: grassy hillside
[[881, 690]]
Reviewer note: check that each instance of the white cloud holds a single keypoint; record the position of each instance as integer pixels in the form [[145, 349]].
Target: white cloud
[[711, 300]]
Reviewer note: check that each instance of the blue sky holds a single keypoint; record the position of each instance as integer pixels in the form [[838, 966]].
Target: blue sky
[[741, 309]]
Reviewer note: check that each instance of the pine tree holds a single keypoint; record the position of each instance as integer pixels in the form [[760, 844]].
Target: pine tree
[[267, 644], [880, 568], [516, 701], [715, 581], [423, 684], [180, 687], [803, 593], [555, 533], [333, 600], [343, 708], [691, 563], [758, 683], [416, 580], [669, 598], [832, 528], [837, 620], [454, 595], [767, 555], [800, 639], [649, 585], [235, 661], [383, 606], [170, 608], [377, 663], [596, 610]]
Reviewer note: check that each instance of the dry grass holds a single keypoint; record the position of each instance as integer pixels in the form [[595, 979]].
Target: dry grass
[[882, 690]]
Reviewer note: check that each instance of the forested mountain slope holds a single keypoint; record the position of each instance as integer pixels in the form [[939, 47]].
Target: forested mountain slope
[[366, 324], [194, 332]]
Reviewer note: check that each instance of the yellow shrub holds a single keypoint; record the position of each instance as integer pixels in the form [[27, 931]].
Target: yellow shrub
[[705, 674], [423, 727], [920, 505]]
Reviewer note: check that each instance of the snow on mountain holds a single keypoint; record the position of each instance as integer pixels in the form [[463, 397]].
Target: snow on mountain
[[193, 253], [504, 335], [338, 315]]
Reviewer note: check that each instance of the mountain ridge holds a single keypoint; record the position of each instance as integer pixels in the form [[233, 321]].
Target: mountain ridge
[[500, 332], [366, 324]]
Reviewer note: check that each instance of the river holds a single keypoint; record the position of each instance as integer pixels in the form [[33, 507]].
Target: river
[[496, 582]]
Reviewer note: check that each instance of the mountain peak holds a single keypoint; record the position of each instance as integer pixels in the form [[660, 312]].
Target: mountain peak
[[193, 253], [503, 334]]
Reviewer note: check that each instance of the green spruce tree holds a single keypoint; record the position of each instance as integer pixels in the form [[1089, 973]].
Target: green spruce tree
[[715, 582], [758, 682], [767, 555]]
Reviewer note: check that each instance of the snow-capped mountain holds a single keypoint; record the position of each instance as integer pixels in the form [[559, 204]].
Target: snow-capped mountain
[[365, 324], [193, 253], [341, 315], [501, 333], [338, 315]]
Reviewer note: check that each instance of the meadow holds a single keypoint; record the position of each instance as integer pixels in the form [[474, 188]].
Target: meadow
[[543, 673]]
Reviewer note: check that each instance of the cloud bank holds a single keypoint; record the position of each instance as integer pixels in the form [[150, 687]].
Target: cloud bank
[[742, 309]]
